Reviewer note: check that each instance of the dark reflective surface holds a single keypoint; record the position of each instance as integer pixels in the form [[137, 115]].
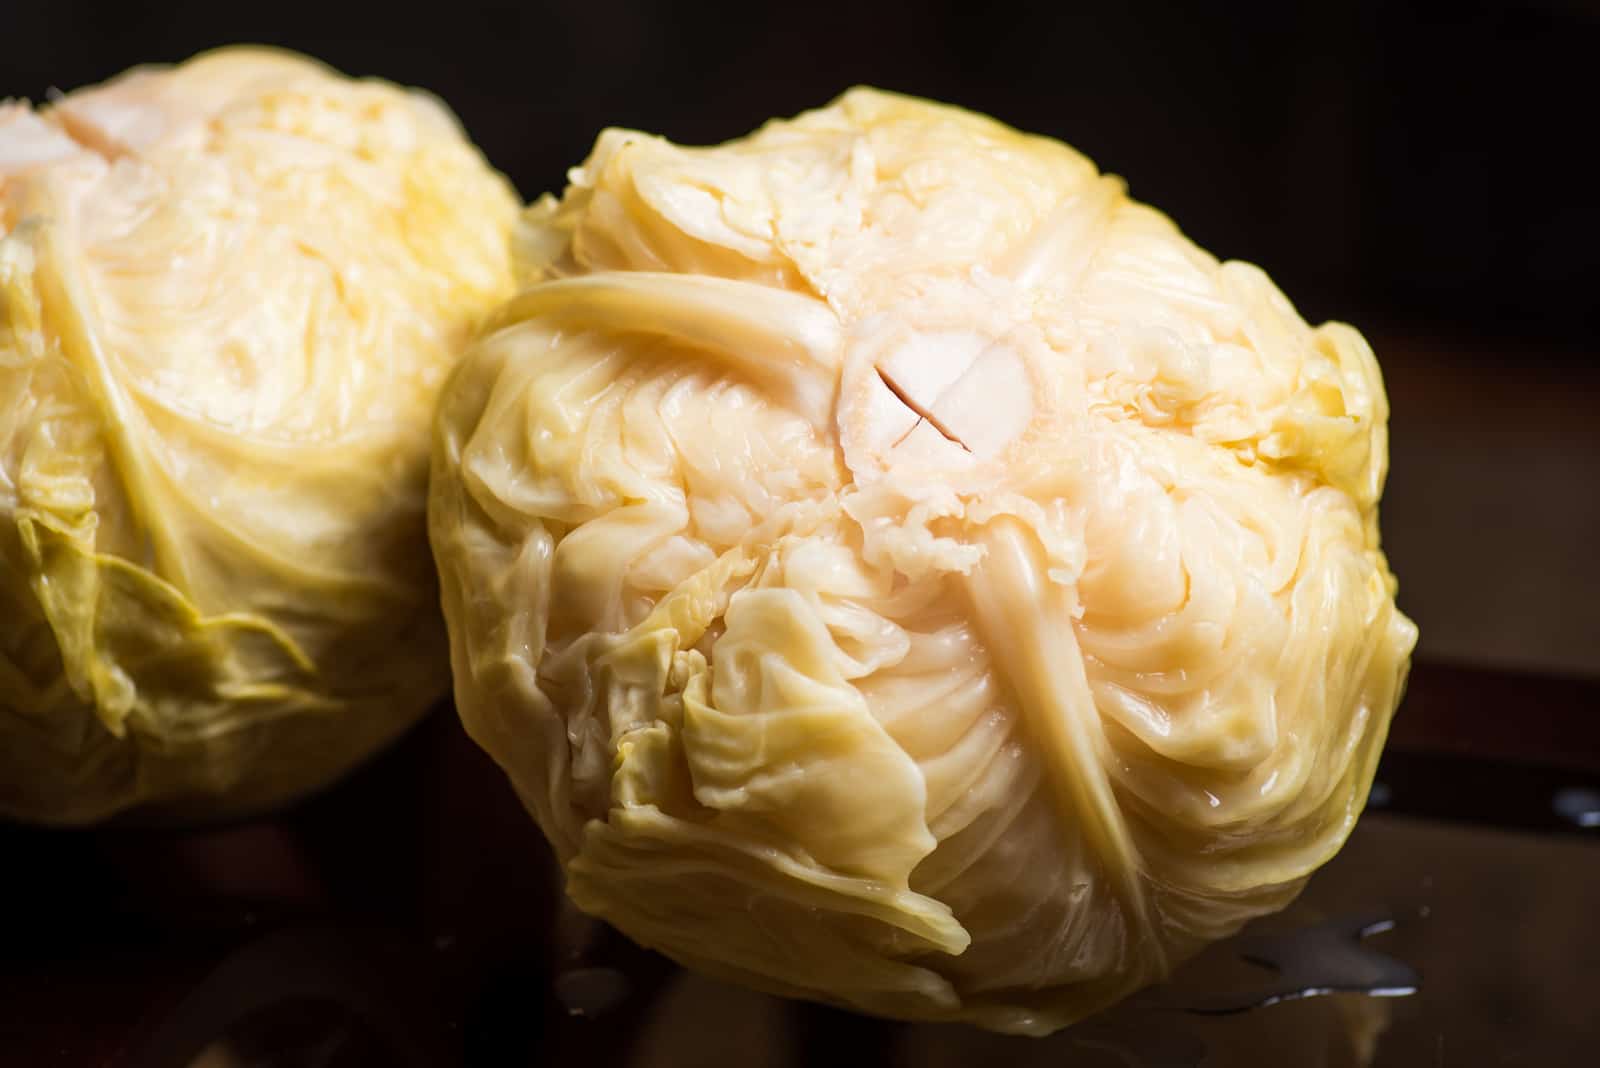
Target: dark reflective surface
[[1316, 960], [411, 917]]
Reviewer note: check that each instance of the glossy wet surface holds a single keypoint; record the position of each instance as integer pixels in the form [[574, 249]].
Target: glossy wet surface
[[409, 917]]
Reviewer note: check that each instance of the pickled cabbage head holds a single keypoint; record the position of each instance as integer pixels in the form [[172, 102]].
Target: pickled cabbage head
[[896, 568], [229, 294]]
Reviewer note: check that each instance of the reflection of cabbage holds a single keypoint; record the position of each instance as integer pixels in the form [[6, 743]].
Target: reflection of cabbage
[[896, 568], [228, 294]]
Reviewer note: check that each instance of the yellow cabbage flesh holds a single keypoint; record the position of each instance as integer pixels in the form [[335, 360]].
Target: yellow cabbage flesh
[[229, 294], [898, 569]]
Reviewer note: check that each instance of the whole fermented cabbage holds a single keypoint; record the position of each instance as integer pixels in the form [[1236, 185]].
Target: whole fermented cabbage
[[229, 293], [897, 569]]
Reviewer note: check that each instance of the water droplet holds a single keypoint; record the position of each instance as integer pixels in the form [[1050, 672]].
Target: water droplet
[[1578, 805], [1327, 958]]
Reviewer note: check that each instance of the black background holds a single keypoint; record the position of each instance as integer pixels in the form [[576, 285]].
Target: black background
[[1415, 165], [1420, 170]]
